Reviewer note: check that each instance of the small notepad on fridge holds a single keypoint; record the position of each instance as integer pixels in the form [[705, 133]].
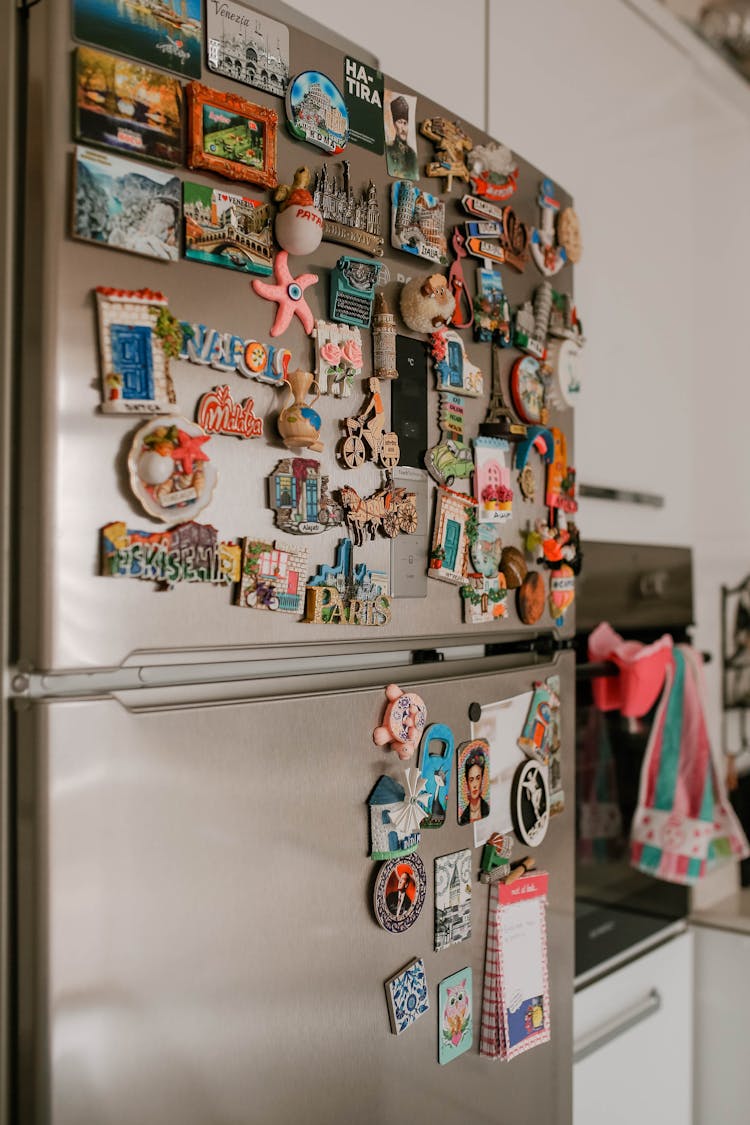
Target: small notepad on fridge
[[515, 1000]]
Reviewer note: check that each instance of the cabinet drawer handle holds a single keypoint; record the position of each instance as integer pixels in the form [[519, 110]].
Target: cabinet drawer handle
[[616, 1026]]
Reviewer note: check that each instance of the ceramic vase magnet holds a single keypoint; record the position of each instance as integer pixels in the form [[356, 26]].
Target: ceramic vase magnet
[[299, 424]]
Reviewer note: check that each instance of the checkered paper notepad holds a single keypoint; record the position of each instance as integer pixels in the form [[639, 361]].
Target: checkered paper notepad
[[515, 999]]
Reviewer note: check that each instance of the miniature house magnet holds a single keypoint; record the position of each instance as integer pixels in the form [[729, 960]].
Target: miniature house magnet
[[338, 350], [530, 803], [492, 480], [418, 222], [452, 898], [436, 766], [548, 255], [407, 996], [316, 111], [494, 172], [289, 295], [353, 284], [427, 303], [348, 593], [170, 471], [391, 509], [137, 337], [403, 723], [298, 423], [298, 493], [454, 530], [348, 220], [399, 894], [451, 146], [391, 834], [485, 593], [272, 578], [454, 370]]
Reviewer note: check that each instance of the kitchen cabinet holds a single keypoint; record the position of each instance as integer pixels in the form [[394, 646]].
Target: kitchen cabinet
[[633, 1042], [722, 1000]]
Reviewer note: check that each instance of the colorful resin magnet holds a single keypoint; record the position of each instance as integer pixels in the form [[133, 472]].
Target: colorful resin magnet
[[451, 146], [407, 996], [452, 898], [492, 480], [289, 295], [391, 834], [299, 223], [564, 320], [383, 340], [348, 220], [451, 459], [530, 598], [427, 303], [170, 471], [473, 767], [515, 240], [188, 552], [561, 477], [231, 136], [137, 337], [403, 723], [298, 423], [298, 493], [316, 112], [562, 592], [492, 318], [532, 322], [227, 353], [389, 509], [400, 889], [247, 47], [366, 434], [481, 209], [569, 235], [528, 390], [272, 578], [399, 116], [454, 370], [535, 738], [455, 1005], [513, 567], [483, 240], [227, 230], [485, 592], [338, 350], [418, 222], [348, 593], [496, 858], [218, 413], [353, 284], [549, 257], [463, 315], [436, 766], [556, 791], [494, 172], [530, 803], [453, 532]]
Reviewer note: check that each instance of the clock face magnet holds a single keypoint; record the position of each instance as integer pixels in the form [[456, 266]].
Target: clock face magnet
[[530, 803], [400, 889]]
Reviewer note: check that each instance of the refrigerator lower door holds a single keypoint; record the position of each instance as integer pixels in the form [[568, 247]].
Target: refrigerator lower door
[[198, 943]]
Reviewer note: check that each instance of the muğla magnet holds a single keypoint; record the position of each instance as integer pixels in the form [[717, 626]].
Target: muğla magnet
[[171, 472], [530, 803], [218, 413], [316, 111]]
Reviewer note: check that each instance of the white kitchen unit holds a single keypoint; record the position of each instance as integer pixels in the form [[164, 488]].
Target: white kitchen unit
[[633, 1042]]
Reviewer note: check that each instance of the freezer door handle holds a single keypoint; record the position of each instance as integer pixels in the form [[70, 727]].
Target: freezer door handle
[[617, 1026]]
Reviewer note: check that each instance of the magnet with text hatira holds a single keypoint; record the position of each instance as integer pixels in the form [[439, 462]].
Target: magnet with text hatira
[[427, 303], [171, 472], [338, 350], [389, 509], [298, 423], [496, 858], [451, 147], [494, 171], [530, 598], [549, 256], [299, 223], [289, 295], [463, 314], [404, 721], [436, 766], [530, 803], [366, 434]]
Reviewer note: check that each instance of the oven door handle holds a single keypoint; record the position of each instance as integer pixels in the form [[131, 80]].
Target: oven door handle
[[617, 1026]]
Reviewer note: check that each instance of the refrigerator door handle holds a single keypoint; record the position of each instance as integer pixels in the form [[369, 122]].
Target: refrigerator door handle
[[616, 1026]]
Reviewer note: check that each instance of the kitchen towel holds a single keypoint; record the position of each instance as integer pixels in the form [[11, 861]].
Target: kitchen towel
[[684, 823], [641, 671]]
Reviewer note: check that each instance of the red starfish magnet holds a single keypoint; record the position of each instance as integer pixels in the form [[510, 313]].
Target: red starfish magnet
[[189, 450], [288, 293]]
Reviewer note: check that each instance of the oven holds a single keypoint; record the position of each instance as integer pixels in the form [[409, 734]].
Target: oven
[[643, 591]]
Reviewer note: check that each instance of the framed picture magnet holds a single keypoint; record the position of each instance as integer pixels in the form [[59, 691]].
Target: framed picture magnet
[[399, 894]]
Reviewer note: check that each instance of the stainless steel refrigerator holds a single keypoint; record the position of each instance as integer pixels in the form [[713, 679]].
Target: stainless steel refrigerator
[[188, 920]]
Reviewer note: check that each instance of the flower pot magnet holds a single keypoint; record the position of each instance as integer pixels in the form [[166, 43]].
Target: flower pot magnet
[[299, 424]]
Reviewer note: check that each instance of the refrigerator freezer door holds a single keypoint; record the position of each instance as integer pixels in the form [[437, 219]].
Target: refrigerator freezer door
[[201, 948]]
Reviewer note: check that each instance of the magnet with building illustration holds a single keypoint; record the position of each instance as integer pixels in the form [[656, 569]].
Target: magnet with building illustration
[[316, 111], [485, 592], [228, 230], [247, 47], [451, 459], [494, 171], [569, 235], [137, 337], [530, 598], [187, 552], [463, 314], [436, 767], [530, 802], [394, 821], [348, 219], [492, 316], [473, 770], [399, 893], [454, 530], [492, 489], [273, 577], [549, 256], [495, 863], [418, 222], [452, 144], [348, 593], [218, 413], [298, 424], [452, 898], [515, 240], [390, 509], [298, 493], [299, 223], [528, 391], [171, 472], [383, 340], [338, 351], [454, 370], [289, 294], [427, 303], [353, 282], [404, 721]]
